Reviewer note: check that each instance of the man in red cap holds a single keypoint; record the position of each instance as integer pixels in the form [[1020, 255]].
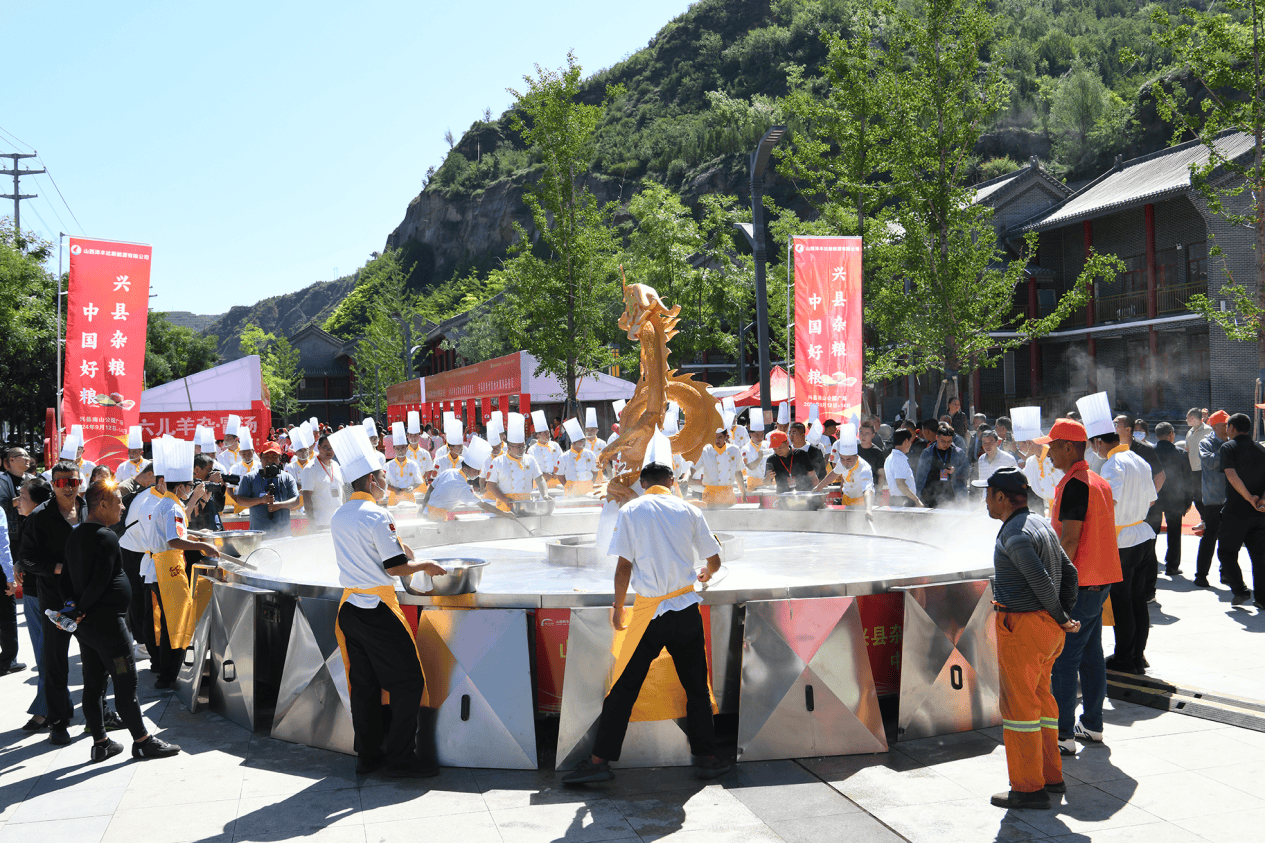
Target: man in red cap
[[1084, 516], [269, 492]]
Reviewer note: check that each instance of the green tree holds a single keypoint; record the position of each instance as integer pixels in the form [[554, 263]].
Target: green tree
[[279, 368], [391, 318], [1085, 117], [562, 294], [28, 296], [173, 351], [1223, 52]]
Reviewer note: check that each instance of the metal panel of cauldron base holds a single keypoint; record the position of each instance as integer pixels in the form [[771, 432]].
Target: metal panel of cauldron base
[[807, 688], [949, 679], [660, 743], [313, 703], [478, 672], [232, 641], [189, 680]]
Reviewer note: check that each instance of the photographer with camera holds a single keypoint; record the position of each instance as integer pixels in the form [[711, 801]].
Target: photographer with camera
[[205, 513], [270, 493]]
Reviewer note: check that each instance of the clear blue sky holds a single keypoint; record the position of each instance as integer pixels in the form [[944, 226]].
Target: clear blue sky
[[262, 146]]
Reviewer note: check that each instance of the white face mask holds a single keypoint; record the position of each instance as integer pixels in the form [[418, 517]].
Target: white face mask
[[1139, 435]]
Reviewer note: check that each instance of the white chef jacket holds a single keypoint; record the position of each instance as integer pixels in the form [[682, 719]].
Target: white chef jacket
[[447, 460], [138, 538], [661, 535], [596, 444], [227, 456], [546, 456], [166, 522], [364, 539], [755, 457], [422, 459], [1134, 492], [128, 469], [295, 470], [325, 484], [579, 467], [513, 476], [1042, 476], [1001, 459], [856, 481], [407, 476], [241, 469], [451, 490], [682, 468], [897, 467], [720, 468]]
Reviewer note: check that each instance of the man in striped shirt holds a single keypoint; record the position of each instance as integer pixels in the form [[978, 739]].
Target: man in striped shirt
[[1033, 590]]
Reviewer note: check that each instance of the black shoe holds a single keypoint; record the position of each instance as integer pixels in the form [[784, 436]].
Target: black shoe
[[712, 768], [1117, 664], [34, 725], [102, 751], [162, 683], [1241, 598], [113, 722], [1056, 787], [58, 736], [416, 770], [1172, 570], [365, 766], [1202, 582], [16, 667], [1019, 799], [153, 747], [587, 773]]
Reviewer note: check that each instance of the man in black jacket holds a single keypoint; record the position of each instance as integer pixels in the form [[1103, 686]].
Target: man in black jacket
[[1176, 495], [15, 465], [93, 577], [44, 536]]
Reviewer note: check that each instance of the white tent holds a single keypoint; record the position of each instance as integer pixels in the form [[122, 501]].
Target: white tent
[[208, 398], [592, 388]]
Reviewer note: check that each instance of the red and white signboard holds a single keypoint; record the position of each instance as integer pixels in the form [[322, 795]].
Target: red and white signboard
[[828, 353], [208, 398], [106, 317]]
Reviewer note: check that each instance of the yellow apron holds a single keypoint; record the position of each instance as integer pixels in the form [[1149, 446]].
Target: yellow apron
[[434, 513], [394, 497], [719, 495], [578, 488], [661, 696], [385, 593], [177, 599]]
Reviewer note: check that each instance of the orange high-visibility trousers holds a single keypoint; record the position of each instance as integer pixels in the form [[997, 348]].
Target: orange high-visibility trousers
[[1027, 645]]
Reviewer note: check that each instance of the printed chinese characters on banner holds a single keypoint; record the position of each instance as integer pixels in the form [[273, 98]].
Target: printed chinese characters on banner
[[828, 353], [106, 318]]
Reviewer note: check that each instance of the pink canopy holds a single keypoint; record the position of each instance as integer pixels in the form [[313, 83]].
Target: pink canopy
[[781, 387]]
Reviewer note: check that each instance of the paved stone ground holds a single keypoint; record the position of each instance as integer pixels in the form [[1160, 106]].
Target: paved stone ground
[[1161, 777]]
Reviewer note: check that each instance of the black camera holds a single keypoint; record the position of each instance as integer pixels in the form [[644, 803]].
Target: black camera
[[271, 471]]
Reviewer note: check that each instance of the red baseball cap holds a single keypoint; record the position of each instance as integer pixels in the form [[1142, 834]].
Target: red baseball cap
[[1219, 417], [1067, 430], [271, 448], [777, 439]]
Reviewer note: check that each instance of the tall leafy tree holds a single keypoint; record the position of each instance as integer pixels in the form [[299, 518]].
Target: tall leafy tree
[[1223, 51], [28, 295], [173, 351], [389, 321], [279, 367], [563, 291]]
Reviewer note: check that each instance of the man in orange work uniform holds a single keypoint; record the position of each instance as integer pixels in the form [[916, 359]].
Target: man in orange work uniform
[[1084, 515], [1034, 588]]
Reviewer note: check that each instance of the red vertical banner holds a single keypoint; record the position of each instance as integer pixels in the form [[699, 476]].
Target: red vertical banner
[[107, 311], [828, 354]]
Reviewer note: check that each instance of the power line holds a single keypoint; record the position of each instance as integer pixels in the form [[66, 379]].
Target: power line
[[16, 138], [53, 208], [63, 198]]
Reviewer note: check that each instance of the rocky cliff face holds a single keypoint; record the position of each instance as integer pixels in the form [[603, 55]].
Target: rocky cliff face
[[280, 315]]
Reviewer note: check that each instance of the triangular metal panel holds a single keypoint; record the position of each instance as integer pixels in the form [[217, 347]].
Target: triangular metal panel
[[924, 650], [189, 680]]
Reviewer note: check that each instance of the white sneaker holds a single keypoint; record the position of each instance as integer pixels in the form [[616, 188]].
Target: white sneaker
[[1087, 735], [1067, 747]]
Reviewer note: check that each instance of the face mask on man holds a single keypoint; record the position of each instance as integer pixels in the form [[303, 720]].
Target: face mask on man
[[1139, 435]]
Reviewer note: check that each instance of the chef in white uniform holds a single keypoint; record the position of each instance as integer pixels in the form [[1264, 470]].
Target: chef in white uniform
[[451, 458], [135, 455], [404, 477], [593, 442], [720, 467], [579, 463], [544, 450], [246, 461], [322, 485], [302, 440], [755, 454], [1043, 477], [228, 455], [451, 489], [513, 474], [853, 474]]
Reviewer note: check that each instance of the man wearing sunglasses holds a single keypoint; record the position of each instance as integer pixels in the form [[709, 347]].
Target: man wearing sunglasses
[[43, 551]]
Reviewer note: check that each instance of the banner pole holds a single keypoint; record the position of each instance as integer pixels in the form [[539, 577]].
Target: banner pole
[[57, 386], [789, 287]]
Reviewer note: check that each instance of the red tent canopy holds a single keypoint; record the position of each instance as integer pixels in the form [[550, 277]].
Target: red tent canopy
[[780, 385]]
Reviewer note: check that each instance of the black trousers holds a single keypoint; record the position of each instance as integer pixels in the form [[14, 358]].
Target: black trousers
[[8, 630], [135, 609], [1153, 518], [105, 652], [55, 667], [1128, 603], [382, 657], [164, 659], [1236, 531], [1208, 542], [681, 632], [1173, 554]]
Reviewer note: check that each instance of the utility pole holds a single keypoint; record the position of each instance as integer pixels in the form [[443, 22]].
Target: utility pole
[[17, 195]]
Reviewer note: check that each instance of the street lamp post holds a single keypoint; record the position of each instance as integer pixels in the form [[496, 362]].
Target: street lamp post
[[757, 235]]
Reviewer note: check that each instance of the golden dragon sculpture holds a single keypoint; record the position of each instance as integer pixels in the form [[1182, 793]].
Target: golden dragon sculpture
[[647, 320]]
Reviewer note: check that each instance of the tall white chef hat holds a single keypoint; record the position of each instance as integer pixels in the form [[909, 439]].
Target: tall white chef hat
[[310, 431], [784, 413], [355, 453], [847, 443], [370, 426], [315, 422], [516, 433], [1095, 414], [574, 431], [814, 413], [727, 420], [496, 426], [134, 438], [414, 421], [297, 440], [538, 420], [70, 447], [671, 424], [399, 436], [477, 453], [619, 406], [204, 439], [178, 464], [815, 431], [727, 403], [1027, 422], [77, 430], [659, 451], [757, 420], [231, 426], [244, 440], [449, 415], [590, 418], [452, 432]]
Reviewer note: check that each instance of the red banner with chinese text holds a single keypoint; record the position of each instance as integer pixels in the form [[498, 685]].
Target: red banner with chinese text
[[107, 310], [828, 354], [182, 424]]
